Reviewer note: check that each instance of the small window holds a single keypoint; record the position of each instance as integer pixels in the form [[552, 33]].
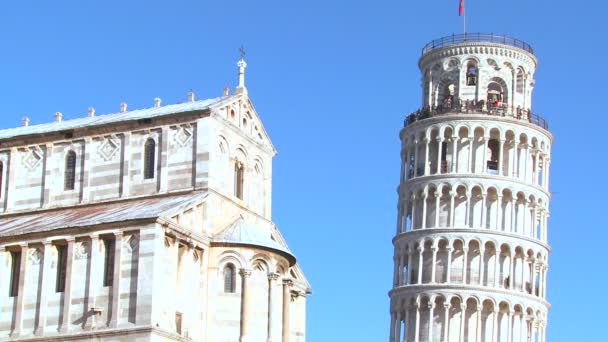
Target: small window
[[62, 261], [178, 323], [15, 271], [495, 95], [492, 157], [1, 178], [471, 74], [239, 175], [149, 156], [229, 279], [70, 171], [519, 82], [108, 265]]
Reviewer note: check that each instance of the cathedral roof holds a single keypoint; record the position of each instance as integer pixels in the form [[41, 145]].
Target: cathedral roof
[[105, 119], [91, 215], [241, 232]]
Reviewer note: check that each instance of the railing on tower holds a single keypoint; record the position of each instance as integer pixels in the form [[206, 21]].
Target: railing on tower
[[479, 107], [476, 38]]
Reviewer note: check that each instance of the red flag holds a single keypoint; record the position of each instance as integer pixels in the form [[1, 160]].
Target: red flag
[[461, 8]]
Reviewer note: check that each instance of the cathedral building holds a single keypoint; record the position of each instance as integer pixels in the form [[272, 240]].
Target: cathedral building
[[146, 225], [470, 250]]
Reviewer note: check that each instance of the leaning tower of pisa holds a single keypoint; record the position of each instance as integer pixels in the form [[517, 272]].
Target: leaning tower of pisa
[[471, 252]]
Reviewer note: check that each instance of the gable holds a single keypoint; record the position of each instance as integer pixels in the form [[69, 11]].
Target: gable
[[239, 112]]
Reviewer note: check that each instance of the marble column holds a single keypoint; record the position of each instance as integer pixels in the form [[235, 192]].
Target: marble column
[[448, 277], [433, 264], [398, 330], [67, 293], [509, 325], [495, 325], [484, 166], [446, 321], [465, 251], [439, 154], [437, 207], [95, 271], [20, 299], [245, 303], [431, 307], [463, 314], [391, 337], [116, 280], [500, 156], [420, 254], [452, 207], [272, 281], [287, 283], [454, 153], [426, 157], [478, 325], [498, 212], [496, 267], [417, 336], [409, 267], [484, 210], [424, 208], [406, 323], [481, 255], [45, 284], [413, 219], [471, 166], [467, 212]]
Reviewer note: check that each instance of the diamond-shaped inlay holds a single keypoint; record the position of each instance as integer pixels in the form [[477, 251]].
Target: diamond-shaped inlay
[[32, 159], [183, 136], [108, 149]]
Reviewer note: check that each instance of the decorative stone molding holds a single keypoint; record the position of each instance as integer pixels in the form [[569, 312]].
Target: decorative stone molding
[[108, 148]]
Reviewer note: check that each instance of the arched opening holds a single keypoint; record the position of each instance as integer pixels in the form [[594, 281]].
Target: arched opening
[[495, 95], [229, 278], [519, 82], [448, 95], [69, 178], [471, 73], [492, 157], [239, 178], [149, 158]]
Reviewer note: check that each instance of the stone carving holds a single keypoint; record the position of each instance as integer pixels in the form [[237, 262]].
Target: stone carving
[[36, 256], [183, 136], [132, 243], [83, 250], [108, 148], [32, 159]]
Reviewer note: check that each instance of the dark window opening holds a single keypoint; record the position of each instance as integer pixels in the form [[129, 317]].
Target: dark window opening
[[62, 262], [519, 82], [15, 272], [492, 157], [149, 156], [471, 74], [495, 95], [239, 175], [108, 266], [70, 171], [229, 279], [178, 323]]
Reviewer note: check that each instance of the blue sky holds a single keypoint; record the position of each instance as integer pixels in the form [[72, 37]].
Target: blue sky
[[332, 81]]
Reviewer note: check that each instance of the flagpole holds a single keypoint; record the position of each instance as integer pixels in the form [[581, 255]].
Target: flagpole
[[464, 17]]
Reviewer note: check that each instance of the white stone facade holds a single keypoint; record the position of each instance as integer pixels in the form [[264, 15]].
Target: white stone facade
[[471, 252], [146, 225]]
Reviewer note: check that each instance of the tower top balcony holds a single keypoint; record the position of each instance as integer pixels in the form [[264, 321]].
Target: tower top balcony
[[493, 72], [472, 38]]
